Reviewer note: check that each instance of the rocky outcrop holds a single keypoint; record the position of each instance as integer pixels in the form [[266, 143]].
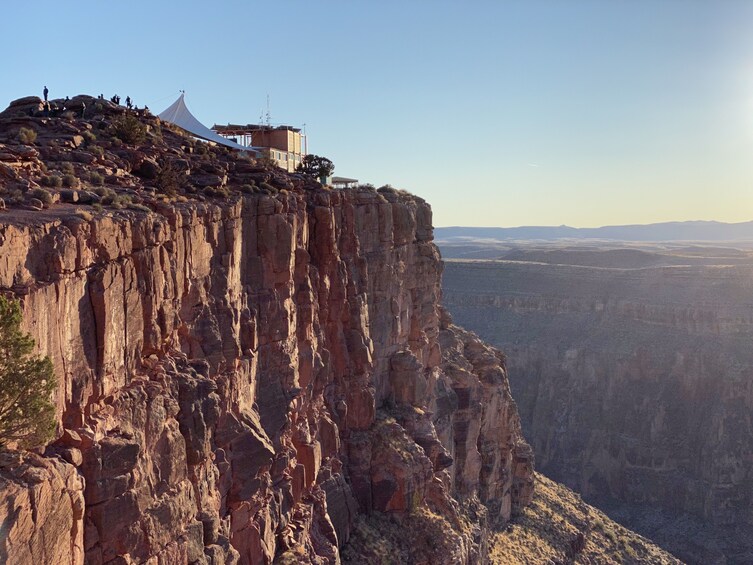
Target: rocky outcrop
[[634, 388], [42, 510], [241, 376]]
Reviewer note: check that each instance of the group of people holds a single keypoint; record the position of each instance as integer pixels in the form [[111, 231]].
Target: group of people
[[128, 102], [48, 111]]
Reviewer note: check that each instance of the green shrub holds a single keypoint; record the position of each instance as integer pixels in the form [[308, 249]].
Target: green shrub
[[97, 150], [89, 137], [216, 192], [15, 197], [70, 181], [265, 186], [67, 168], [27, 136], [55, 181], [42, 195], [168, 180], [129, 129], [249, 188], [140, 207], [26, 382], [96, 178]]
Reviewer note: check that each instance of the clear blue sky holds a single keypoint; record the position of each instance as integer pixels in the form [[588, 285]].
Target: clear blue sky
[[498, 113]]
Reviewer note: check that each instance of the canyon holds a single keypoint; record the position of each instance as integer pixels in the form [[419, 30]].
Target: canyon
[[633, 372], [251, 367]]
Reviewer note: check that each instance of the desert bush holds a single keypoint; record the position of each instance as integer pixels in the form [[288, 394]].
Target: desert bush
[[140, 207], [129, 129], [70, 181], [216, 192], [26, 382], [14, 196], [89, 137], [27, 136], [97, 150], [96, 178], [67, 168], [108, 196], [168, 179], [84, 214], [55, 181], [42, 195], [249, 188], [265, 186]]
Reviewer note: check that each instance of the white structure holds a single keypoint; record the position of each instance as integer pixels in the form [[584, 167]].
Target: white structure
[[179, 114]]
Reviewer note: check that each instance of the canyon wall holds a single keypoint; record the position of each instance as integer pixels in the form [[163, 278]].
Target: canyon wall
[[239, 380], [635, 388]]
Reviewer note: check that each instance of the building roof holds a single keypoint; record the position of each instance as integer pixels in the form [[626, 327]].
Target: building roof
[[343, 180], [238, 129], [179, 114]]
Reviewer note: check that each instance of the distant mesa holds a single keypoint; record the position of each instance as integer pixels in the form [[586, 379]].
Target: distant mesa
[[666, 231]]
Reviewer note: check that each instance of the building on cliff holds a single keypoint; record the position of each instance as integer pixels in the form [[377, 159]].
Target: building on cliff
[[285, 145]]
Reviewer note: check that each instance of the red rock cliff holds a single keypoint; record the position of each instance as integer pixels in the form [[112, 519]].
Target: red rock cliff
[[238, 381]]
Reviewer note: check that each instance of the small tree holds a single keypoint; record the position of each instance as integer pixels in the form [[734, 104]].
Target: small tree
[[26, 382], [129, 129], [316, 166]]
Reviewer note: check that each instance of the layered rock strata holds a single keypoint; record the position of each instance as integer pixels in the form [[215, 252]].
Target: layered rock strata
[[635, 388], [239, 379]]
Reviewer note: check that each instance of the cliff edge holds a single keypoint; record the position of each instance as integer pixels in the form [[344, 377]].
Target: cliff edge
[[248, 363]]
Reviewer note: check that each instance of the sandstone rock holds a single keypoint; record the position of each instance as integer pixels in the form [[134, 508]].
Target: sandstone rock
[[42, 510], [21, 106], [147, 169]]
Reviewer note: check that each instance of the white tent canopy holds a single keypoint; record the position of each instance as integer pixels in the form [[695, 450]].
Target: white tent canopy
[[179, 115]]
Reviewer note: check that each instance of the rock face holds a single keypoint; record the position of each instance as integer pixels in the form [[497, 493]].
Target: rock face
[[239, 380], [42, 510], [635, 388]]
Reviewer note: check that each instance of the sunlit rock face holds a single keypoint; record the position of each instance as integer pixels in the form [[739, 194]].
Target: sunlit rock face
[[239, 380], [635, 388]]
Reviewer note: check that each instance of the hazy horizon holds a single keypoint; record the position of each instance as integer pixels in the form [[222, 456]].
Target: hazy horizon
[[631, 224], [517, 113]]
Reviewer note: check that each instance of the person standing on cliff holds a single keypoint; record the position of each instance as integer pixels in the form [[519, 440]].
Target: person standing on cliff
[[46, 92]]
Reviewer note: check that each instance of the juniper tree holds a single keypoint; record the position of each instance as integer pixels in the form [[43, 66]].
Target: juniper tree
[[316, 166], [26, 382]]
